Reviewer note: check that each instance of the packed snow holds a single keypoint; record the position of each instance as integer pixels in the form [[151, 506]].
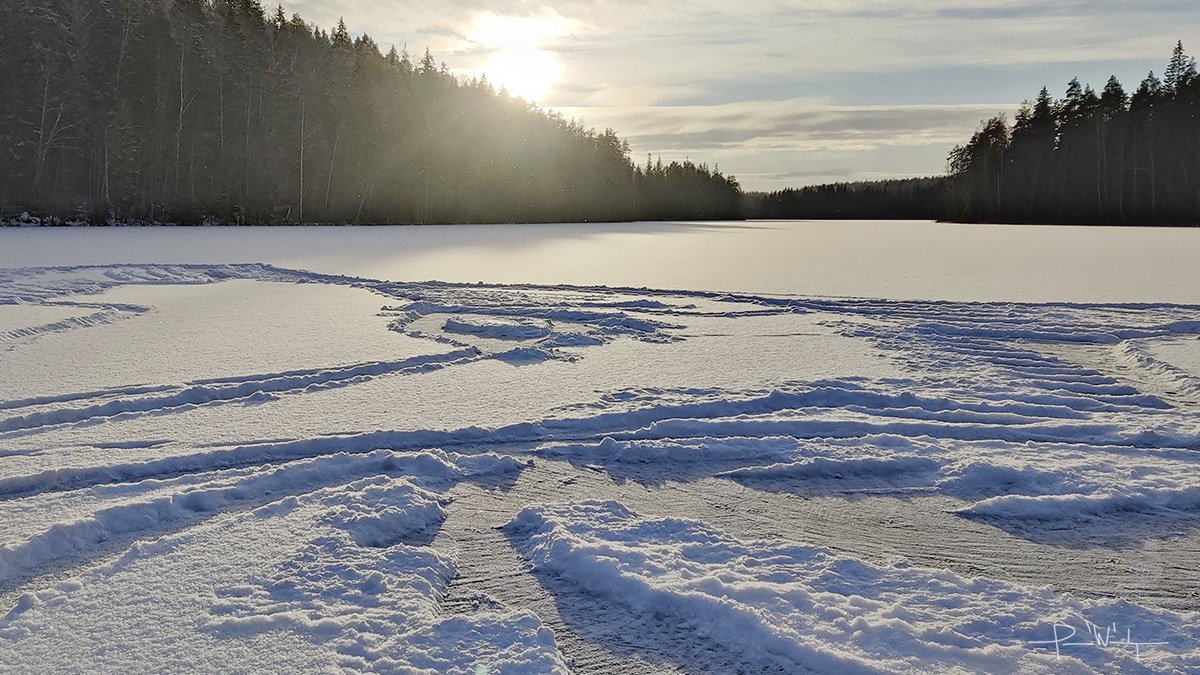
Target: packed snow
[[292, 465], [803, 608]]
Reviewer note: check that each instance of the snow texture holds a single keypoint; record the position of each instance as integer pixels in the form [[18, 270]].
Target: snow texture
[[801, 609], [247, 467]]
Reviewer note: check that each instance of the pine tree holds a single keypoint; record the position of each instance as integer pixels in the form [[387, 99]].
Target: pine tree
[[340, 38], [1114, 105], [1115, 158], [1180, 72]]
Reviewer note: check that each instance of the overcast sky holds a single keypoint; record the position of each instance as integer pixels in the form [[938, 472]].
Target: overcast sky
[[783, 93]]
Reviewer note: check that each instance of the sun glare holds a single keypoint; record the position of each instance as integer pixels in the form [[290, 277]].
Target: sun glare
[[520, 62]]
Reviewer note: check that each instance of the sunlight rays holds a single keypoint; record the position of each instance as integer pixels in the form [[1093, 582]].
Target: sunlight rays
[[520, 62]]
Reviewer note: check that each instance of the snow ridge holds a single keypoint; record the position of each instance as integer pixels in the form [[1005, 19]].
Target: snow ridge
[[808, 609], [257, 388]]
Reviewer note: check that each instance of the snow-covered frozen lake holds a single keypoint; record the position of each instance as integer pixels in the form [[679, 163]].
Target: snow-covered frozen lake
[[764, 447], [870, 259]]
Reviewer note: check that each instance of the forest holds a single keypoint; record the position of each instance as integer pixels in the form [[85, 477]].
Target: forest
[[895, 199], [1088, 158], [220, 111]]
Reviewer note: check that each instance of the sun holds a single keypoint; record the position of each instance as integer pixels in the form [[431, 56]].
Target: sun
[[528, 73], [520, 62]]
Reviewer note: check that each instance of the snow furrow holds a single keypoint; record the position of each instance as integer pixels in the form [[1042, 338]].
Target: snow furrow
[[203, 394], [173, 510], [94, 319]]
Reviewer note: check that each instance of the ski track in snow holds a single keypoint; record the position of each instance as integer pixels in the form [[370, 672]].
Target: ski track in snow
[[256, 389], [107, 313], [1035, 464]]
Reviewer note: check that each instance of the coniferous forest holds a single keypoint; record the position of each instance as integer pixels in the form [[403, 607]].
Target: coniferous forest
[[897, 199], [1088, 158], [1106, 158], [222, 111], [219, 110]]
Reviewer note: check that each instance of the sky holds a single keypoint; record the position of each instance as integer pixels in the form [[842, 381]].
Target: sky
[[782, 93]]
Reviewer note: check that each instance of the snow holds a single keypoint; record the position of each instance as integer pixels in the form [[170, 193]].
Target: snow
[[896, 260], [500, 330], [332, 579], [229, 450], [799, 608]]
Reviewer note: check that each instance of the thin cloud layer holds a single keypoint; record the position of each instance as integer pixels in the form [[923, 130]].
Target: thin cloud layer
[[742, 79], [795, 120], [773, 144]]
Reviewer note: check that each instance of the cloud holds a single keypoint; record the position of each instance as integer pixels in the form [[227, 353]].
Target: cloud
[[763, 86], [624, 52], [715, 37], [798, 124], [767, 143]]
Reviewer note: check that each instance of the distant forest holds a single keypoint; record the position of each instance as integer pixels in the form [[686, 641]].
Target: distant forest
[[217, 110], [900, 199], [1109, 158]]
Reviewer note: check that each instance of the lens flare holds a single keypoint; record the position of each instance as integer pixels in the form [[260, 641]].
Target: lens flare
[[521, 63]]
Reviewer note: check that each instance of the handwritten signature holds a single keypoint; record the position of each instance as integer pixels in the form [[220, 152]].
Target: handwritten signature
[[1104, 638]]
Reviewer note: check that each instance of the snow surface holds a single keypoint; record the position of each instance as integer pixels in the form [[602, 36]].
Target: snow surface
[[800, 608], [247, 466], [898, 260]]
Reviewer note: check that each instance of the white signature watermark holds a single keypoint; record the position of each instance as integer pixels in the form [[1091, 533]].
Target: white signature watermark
[[1109, 637]]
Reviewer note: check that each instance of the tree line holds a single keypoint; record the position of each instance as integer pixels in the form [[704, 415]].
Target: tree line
[[193, 110], [1099, 158], [900, 199], [1107, 157]]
